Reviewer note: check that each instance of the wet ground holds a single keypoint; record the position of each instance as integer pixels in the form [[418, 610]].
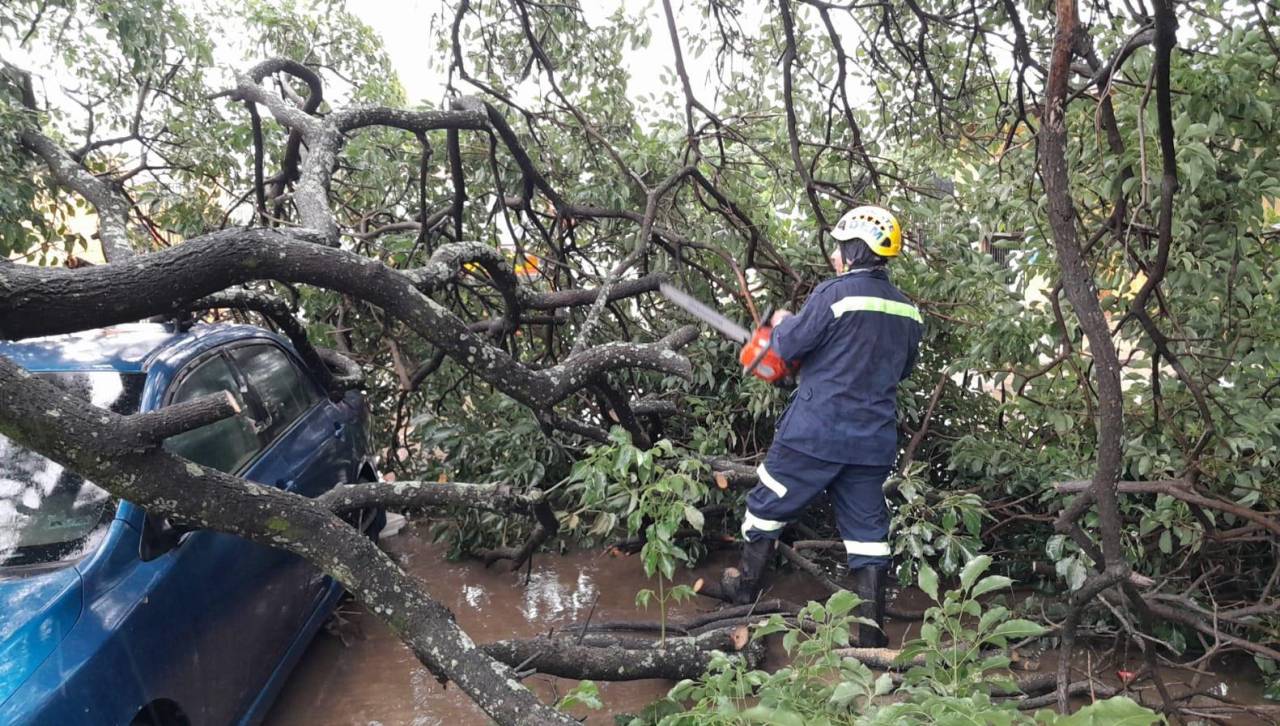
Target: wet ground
[[363, 676], [374, 679]]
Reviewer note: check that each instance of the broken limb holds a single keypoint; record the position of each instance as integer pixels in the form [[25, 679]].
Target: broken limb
[[492, 497], [148, 430], [1183, 490], [546, 528], [421, 494], [706, 621], [604, 658]]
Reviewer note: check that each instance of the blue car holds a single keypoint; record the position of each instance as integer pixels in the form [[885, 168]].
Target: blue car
[[111, 616]]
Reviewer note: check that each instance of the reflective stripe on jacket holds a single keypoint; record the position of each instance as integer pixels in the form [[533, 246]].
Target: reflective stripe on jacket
[[855, 339]]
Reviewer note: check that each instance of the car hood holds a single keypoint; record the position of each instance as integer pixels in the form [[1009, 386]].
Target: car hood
[[37, 611]]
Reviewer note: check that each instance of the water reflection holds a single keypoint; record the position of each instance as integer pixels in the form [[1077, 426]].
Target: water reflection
[[547, 598], [475, 596]]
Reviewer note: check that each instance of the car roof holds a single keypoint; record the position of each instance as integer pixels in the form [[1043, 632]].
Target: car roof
[[129, 348]]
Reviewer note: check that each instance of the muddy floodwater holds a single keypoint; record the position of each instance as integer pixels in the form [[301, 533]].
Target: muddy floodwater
[[361, 675], [375, 679]]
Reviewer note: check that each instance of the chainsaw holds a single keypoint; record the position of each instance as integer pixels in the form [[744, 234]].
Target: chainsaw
[[758, 358]]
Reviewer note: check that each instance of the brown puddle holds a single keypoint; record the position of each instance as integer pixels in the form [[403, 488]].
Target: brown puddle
[[374, 680]]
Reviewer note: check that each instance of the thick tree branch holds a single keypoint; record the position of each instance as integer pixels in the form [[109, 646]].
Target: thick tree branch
[[1182, 490], [1081, 289], [147, 430], [111, 206], [604, 658], [42, 301], [420, 494]]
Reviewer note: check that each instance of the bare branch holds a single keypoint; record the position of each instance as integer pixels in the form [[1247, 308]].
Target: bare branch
[[112, 209]]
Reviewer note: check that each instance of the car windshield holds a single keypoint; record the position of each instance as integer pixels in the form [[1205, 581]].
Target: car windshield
[[49, 515]]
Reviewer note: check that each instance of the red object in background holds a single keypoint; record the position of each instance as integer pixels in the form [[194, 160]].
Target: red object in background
[[760, 359], [1125, 676]]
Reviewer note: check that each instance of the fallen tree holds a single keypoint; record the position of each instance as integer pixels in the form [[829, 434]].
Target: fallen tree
[[347, 220]]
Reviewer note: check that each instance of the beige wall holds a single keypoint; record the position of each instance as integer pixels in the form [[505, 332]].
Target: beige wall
[[89, 249]]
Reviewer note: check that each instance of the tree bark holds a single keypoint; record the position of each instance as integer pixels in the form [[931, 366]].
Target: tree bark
[[612, 659], [1081, 290]]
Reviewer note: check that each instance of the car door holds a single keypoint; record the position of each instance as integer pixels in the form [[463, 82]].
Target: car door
[[308, 453], [247, 602], [235, 593]]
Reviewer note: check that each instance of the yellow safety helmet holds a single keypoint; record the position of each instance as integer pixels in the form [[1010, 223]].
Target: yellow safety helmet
[[874, 225]]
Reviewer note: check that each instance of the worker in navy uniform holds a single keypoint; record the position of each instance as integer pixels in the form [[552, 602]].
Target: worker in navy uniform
[[854, 340]]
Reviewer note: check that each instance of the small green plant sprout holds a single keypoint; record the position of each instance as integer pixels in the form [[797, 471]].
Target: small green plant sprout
[[963, 643], [823, 686], [931, 524], [818, 686], [664, 597], [586, 694]]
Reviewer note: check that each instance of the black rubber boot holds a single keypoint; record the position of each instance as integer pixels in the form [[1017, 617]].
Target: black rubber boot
[[742, 584], [868, 584]]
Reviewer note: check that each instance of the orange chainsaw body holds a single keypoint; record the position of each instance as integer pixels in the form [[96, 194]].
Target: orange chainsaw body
[[760, 359]]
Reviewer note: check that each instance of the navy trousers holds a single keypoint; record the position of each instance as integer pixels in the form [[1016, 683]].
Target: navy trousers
[[790, 481]]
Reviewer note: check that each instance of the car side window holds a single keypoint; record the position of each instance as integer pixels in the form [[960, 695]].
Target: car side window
[[278, 384], [225, 445]]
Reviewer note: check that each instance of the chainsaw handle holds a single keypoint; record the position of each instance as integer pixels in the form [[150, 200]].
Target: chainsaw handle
[[766, 324], [750, 368]]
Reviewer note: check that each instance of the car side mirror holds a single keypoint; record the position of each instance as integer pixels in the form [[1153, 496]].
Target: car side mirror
[[159, 535]]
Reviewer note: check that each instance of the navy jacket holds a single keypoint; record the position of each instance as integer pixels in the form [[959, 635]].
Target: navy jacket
[[855, 338]]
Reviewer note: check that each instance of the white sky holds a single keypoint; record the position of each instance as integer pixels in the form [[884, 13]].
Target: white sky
[[403, 25]]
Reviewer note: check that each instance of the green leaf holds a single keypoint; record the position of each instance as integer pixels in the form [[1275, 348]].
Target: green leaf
[[994, 662], [586, 693], [694, 517], [884, 684], [929, 633], [1117, 711], [841, 603], [668, 567], [625, 457], [991, 617], [790, 640], [844, 694], [775, 624], [643, 597], [989, 583], [927, 579], [1054, 547], [773, 716], [973, 570], [1018, 628]]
